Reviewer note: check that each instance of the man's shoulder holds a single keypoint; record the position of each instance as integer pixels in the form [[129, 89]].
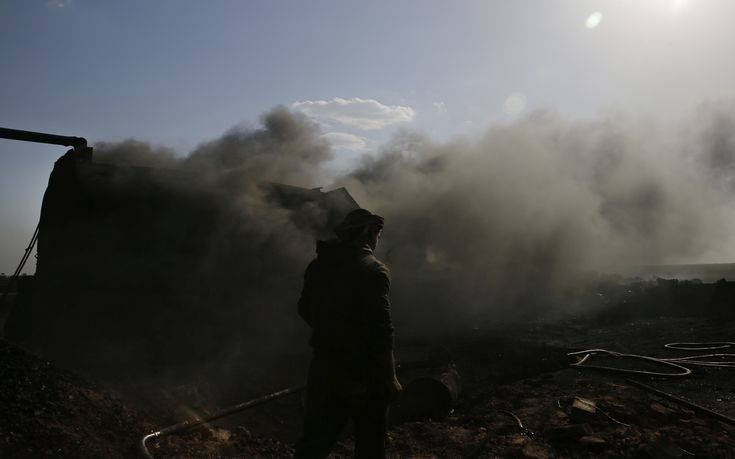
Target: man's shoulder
[[371, 264]]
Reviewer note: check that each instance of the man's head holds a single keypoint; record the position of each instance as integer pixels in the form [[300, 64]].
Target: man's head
[[362, 227]]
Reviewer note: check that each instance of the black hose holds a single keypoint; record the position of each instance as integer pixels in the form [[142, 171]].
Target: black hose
[[20, 267], [681, 401], [218, 415]]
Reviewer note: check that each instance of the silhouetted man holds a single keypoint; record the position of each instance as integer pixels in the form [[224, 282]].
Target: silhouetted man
[[352, 375]]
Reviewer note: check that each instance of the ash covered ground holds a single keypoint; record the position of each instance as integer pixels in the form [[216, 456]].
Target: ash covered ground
[[510, 374]]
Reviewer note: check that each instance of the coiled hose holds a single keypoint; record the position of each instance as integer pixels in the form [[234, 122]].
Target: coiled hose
[[678, 364]]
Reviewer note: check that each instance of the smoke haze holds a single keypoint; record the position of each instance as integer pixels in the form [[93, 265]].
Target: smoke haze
[[238, 261], [498, 224], [512, 219]]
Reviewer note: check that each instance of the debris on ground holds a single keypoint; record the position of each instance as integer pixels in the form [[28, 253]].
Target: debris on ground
[[46, 411], [519, 399]]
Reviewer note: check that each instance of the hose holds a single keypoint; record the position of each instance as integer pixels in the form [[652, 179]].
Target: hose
[[695, 360], [218, 415], [681, 401], [684, 371], [679, 363], [707, 346], [21, 265], [676, 362]]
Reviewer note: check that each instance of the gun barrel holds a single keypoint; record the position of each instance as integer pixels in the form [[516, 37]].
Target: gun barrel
[[41, 137]]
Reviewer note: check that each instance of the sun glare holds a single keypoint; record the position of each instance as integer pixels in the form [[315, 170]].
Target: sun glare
[[677, 5], [593, 20]]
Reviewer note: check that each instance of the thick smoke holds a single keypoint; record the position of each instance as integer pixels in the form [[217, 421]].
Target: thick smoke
[[219, 283], [508, 223], [503, 225]]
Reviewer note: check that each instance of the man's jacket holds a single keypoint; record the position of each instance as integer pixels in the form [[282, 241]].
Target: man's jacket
[[345, 300]]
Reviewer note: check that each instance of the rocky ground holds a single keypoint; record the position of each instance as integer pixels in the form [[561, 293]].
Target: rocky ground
[[507, 412], [518, 401], [46, 411], [627, 423]]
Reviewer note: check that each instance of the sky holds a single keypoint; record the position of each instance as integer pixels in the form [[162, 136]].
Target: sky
[[177, 73]]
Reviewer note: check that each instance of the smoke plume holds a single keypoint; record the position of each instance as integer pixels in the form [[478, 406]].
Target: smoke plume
[[222, 262], [508, 222], [500, 225]]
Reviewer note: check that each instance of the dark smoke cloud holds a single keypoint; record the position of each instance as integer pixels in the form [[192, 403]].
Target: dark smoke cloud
[[287, 149], [229, 258], [502, 224]]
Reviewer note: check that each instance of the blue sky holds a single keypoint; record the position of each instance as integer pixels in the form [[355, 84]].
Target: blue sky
[[180, 72]]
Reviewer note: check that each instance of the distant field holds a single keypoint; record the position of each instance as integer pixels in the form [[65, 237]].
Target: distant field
[[705, 272]]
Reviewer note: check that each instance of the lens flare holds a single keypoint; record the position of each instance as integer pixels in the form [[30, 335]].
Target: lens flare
[[677, 5], [514, 103], [593, 20]]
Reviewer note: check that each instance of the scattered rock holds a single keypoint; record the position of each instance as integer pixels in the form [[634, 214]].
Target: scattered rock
[[661, 410], [591, 440], [221, 434]]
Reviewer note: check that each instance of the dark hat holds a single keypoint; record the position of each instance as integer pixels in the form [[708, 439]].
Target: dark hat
[[359, 218]]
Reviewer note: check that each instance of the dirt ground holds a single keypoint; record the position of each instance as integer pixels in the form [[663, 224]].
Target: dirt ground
[[508, 374], [629, 422], [46, 411]]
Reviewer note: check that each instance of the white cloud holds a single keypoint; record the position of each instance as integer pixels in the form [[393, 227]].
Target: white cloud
[[440, 107], [365, 114], [345, 141]]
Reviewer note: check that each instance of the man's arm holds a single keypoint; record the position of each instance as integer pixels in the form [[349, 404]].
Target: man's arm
[[379, 317]]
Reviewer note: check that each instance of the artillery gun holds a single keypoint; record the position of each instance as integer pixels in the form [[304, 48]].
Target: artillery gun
[[129, 270]]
